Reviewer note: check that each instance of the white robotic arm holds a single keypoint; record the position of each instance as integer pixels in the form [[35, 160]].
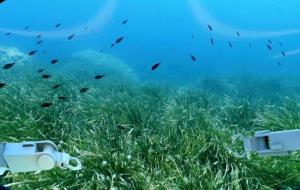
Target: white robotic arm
[[43, 155], [34, 156], [267, 143]]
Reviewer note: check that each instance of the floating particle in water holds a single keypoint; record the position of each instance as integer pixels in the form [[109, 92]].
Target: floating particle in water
[[45, 76], [283, 53], [269, 47], [269, 41], [155, 66], [210, 27], [71, 36], [97, 77], [212, 41], [279, 64], [62, 98], [83, 90], [57, 25], [41, 70], [193, 58], [8, 66], [124, 21], [54, 61], [8, 33], [56, 86], [27, 27], [238, 33], [2, 85], [32, 52], [250, 45], [46, 104], [280, 44], [230, 44]]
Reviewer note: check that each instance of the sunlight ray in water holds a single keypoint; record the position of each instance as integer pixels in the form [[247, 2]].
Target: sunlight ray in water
[[222, 29], [102, 17]]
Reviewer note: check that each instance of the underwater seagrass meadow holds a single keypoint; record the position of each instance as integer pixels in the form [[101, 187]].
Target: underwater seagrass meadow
[[149, 95], [148, 136]]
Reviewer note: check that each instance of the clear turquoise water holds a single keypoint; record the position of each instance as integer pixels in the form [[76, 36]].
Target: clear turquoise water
[[163, 31]]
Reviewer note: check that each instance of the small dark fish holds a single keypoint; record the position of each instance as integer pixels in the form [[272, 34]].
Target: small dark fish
[[57, 25], [209, 27], [269, 47], [2, 85], [278, 63], [46, 104], [56, 86], [1, 1], [54, 61], [155, 66], [125, 22], [97, 77], [270, 42], [39, 42], [46, 76], [41, 70], [283, 53], [62, 98], [32, 52], [193, 58], [27, 27], [119, 40], [8, 66], [71, 36], [238, 33], [112, 45], [230, 44], [212, 41], [8, 33], [250, 45], [39, 36], [83, 90]]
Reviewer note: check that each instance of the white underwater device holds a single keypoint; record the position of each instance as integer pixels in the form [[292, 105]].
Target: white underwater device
[[267, 143], [34, 156]]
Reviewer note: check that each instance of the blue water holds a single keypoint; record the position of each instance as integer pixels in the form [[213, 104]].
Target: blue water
[[165, 31]]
